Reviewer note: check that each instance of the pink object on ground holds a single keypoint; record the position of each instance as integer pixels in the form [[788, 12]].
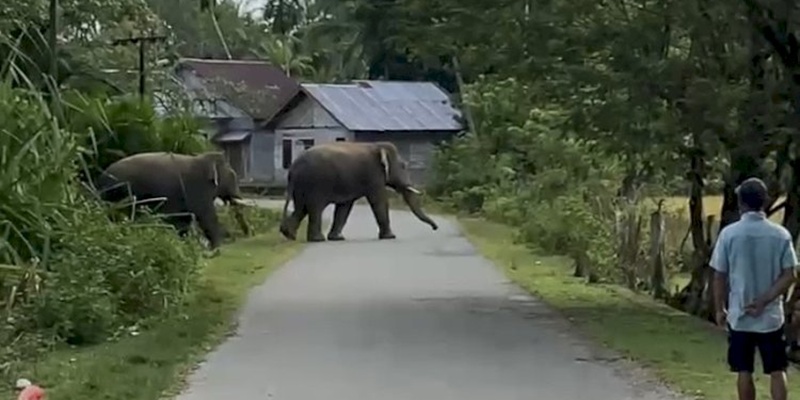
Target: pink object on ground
[[31, 392]]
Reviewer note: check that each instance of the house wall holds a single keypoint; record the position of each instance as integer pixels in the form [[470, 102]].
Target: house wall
[[308, 124], [253, 159], [262, 156], [417, 148], [237, 155]]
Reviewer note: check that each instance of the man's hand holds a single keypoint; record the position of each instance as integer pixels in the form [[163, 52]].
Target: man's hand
[[755, 308], [722, 317]]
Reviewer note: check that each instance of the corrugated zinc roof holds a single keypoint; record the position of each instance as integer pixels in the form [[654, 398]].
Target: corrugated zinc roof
[[387, 105]]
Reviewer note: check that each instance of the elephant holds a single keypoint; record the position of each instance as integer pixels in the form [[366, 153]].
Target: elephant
[[188, 184], [340, 173]]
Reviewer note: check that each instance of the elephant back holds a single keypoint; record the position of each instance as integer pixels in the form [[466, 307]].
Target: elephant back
[[144, 175]]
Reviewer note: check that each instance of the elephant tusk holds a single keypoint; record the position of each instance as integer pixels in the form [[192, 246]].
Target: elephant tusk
[[412, 190], [239, 202]]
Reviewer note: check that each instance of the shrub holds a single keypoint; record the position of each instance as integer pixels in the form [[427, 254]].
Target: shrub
[[103, 276], [67, 274], [259, 220], [523, 166]]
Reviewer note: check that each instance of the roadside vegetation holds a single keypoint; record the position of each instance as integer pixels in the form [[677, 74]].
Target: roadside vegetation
[[626, 107], [684, 352], [149, 361], [92, 307]]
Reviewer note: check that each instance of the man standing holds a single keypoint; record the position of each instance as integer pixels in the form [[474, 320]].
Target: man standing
[[754, 259]]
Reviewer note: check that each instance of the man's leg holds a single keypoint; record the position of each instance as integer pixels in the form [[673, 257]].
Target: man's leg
[[772, 348], [741, 359], [792, 331]]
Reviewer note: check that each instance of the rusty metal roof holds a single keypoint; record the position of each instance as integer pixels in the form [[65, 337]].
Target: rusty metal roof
[[383, 106], [257, 87]]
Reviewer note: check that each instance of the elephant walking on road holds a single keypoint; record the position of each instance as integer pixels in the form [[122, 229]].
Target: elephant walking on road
[[188, 184], [341, 173]]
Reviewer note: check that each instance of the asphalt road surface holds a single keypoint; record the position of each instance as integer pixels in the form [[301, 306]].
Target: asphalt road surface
[[421, 317]]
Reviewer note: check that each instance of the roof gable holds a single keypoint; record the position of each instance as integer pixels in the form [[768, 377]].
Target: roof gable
[[384, 106], [258, 88]]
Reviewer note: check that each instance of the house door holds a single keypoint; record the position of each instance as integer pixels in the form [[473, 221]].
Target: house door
[[235, 159]]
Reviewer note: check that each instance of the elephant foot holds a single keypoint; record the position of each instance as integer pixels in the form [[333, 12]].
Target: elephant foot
[[386, 235], [315, 238], [335, 237], [286, 233]]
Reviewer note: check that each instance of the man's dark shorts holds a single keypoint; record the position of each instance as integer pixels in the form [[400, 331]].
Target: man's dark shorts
[[771, 347]]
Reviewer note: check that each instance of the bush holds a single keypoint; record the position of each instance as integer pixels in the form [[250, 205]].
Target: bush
[[68, 274], [524, 167], [259, 220], [103, 276]]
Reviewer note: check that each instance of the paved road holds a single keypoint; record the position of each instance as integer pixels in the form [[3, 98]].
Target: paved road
[[422, 317]]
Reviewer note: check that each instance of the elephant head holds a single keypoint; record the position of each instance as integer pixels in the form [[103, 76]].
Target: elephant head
[[224, 178], [395, 171]]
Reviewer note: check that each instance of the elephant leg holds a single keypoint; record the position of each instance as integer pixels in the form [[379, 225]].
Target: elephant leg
[[379, 203], [182, 224], [290, 224], [340, 215], [314, 229], [209, 224]]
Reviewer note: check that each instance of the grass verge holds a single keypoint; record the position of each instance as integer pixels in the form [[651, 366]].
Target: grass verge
[[149, 365], [684, 352]]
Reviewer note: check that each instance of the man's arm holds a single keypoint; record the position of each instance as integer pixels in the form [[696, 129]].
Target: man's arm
[[719, 262], [787, 278], [720, 286], [780, 287]]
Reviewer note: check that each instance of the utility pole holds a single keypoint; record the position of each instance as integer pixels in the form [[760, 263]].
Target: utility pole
[[53, 39], [141, 41]]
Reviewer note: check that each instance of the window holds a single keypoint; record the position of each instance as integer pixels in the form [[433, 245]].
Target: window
[[287, 153], [307, 143], [341, 139]]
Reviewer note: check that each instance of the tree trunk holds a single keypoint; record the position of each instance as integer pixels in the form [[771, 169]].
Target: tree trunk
[[791, 212], [658, 280], [580, 268], [691, 297]]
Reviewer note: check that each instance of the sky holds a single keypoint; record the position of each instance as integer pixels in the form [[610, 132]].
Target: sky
[[250, 5]]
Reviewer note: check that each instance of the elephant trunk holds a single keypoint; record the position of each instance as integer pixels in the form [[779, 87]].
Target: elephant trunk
[[411, 198]]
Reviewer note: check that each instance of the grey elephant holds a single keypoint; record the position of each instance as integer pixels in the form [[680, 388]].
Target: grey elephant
[[341, 173], [187, 184]]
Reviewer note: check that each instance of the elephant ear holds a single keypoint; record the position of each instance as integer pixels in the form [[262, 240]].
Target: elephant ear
[[385, 162]]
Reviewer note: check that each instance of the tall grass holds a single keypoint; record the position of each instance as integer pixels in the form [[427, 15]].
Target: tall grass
[[67, 273]]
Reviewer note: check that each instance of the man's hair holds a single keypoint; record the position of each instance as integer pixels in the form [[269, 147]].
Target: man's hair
[[752, 193]]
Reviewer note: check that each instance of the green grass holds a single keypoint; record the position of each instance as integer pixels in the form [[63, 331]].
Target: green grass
[[683, 351], [146, 366]]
